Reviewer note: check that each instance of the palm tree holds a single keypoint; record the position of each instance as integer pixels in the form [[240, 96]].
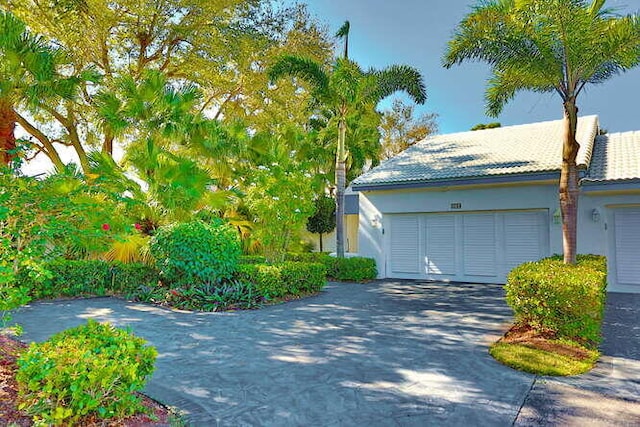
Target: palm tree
[[548, 46], [344, 89], [28, 74]]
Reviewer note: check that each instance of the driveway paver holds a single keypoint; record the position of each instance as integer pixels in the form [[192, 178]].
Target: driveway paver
[[381, 354]]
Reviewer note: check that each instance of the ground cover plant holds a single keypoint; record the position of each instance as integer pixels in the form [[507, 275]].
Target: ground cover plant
[[558, 310]]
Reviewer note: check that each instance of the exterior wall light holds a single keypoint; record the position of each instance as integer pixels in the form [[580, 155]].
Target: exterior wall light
[[375, 221], [595, 215], [557, 216]]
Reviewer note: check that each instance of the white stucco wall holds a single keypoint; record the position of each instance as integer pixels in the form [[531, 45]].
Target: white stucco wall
[[593, 237]]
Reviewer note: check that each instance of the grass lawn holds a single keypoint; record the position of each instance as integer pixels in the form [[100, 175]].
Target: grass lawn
[[526, 350]]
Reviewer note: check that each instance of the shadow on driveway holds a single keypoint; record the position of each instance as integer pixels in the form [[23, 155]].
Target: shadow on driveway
[[385, 353], [381, 354]]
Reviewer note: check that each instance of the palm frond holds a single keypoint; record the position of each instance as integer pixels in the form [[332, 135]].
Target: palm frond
[[401, 78], [304, 68]]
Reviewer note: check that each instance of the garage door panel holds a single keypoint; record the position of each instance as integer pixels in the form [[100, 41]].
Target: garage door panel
[[479, 245], [522, 238], [463, 246], [440, 245], [627, 246], [405, 249]]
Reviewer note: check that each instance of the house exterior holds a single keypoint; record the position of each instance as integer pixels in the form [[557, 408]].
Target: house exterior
[[471, 206]]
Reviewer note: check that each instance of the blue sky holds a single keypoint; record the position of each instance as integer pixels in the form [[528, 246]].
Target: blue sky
[[415, 32]]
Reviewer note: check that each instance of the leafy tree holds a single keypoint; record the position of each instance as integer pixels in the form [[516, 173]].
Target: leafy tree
[[222, 47], [400, 129], [165, 133], [28, 76], [281, 197], [481, 126], [324, 219], [342, 89], [549, 46]]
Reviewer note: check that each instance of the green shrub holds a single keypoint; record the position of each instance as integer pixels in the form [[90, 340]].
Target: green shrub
[[321, 257], [92, 369], [266, 278], [566, 299], [126, 279], [12, 296], [285, 279], [252, 259], [74, 278], [356, 269], [195, 252], [303, 277], [70, 278]]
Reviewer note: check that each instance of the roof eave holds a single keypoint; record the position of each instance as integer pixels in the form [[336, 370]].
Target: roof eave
[[521, 178]]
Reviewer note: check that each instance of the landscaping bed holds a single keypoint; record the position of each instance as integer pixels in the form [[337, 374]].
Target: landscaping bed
[[558, 310]]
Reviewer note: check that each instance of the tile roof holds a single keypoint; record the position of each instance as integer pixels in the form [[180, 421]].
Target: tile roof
[[616, 157], [510, 150]]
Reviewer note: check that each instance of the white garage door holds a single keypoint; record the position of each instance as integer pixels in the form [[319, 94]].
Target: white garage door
[[627, 246], [481, 247]]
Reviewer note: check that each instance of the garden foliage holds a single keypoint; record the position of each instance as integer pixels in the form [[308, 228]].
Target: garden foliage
[[284, 279], [196, 252], [282, 200], [355, 269], [74, 278], [93, 369], [566, 299]]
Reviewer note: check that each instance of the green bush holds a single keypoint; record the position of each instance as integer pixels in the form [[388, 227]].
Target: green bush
[[303, 277], [321, 257], [127, 279], [90, 370], [70, 278], [74, 278], [265, 277], [195, 252], [356, 269], [566, 299], [252, 259], [285, 279]]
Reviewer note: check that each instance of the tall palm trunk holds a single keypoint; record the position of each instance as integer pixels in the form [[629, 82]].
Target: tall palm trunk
[[569, 182], [341, 157], [8, 119]]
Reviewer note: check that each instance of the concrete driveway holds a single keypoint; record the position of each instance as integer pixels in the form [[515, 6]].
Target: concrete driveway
[[380, 354]]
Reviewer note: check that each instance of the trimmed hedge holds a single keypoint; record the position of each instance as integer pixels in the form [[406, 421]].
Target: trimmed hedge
[[73, 278], [356, 269], [288, 278], [353, 269], [566, 299]]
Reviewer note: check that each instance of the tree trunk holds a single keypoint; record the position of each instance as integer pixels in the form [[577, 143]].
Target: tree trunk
[[569, 182], [7, 136], [107, 145], [46, 145], [340, 184], [321, 249]]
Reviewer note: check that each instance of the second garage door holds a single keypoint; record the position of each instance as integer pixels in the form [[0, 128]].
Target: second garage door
[[627, 247], [480, 247]]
